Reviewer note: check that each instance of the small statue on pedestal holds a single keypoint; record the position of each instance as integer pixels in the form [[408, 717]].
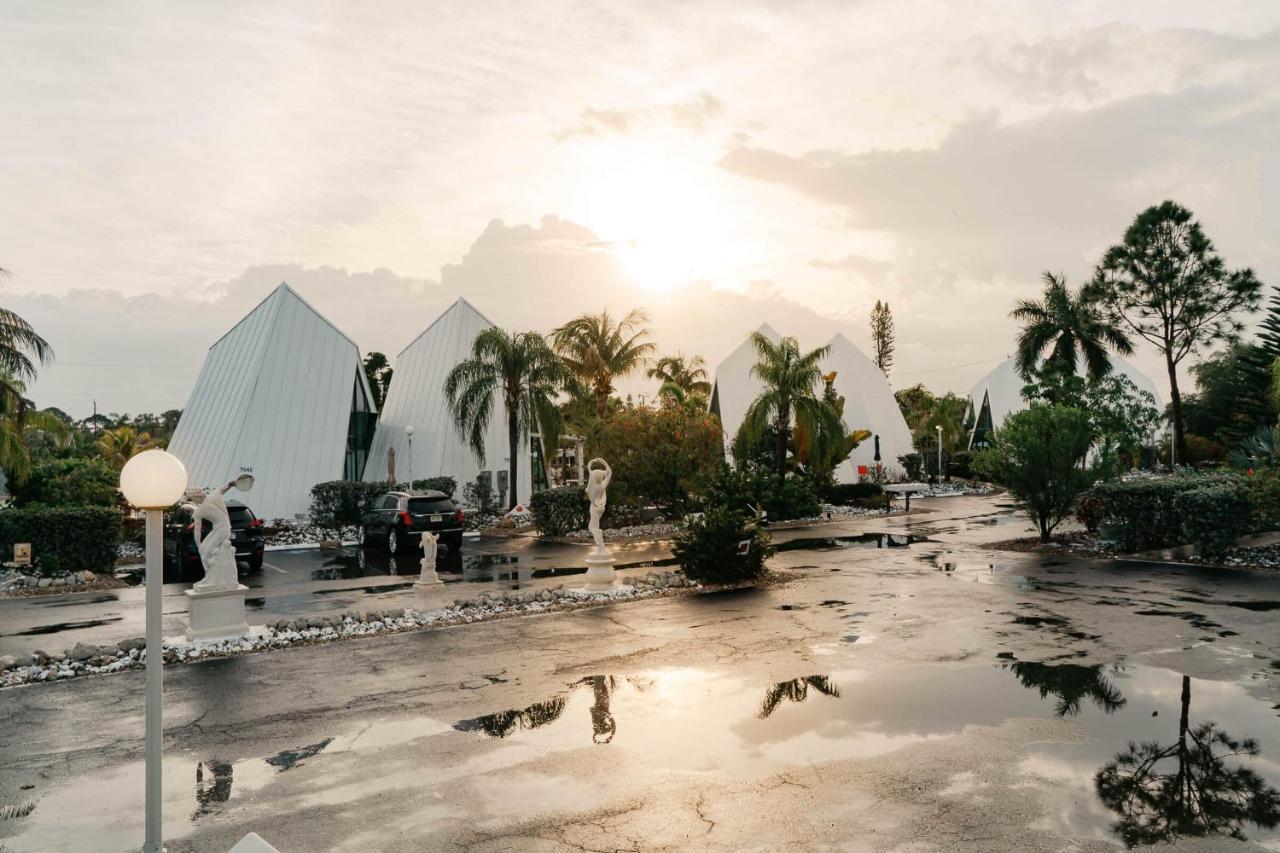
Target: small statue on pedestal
[[427, 576], [217, 554], [597, 491]]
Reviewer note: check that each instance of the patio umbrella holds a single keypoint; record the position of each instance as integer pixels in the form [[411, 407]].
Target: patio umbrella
[[877, 456]]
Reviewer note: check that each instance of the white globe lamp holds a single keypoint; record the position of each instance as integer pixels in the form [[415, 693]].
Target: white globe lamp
[[151, 481]]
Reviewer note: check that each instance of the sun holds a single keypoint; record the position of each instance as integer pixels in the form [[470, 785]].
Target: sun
[[663, 216]]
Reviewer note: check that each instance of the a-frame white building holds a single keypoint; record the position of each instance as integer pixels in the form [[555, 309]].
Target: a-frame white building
[[999, 394], [869, 401], [416, 399], [283, 395]]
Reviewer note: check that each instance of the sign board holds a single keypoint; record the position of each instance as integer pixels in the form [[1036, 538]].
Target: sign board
[[22, 553]]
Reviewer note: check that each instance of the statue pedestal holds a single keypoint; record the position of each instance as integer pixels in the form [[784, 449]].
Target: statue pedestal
[[427, 585], [600, 571], [216, 614]]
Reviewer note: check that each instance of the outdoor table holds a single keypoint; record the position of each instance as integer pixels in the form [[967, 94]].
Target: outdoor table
[[907, 490]]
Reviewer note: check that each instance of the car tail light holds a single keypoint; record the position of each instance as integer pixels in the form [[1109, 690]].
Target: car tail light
[[191, 527], [407, 519], [457, 515], [256, 523]]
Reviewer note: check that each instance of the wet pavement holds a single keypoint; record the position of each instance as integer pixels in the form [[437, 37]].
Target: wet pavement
[[905, 694]]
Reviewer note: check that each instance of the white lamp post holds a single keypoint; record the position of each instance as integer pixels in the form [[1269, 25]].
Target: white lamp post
[[939, 428], [151, 481], [409, 432]]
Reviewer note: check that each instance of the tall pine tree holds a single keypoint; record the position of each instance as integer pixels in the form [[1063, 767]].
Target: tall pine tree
[[882, 336], [1257, 364]]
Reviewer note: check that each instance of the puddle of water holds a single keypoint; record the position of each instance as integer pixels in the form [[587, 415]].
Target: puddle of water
[[862, 540], [692, 720]]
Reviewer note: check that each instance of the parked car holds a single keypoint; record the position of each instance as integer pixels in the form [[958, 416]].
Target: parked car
[[247, 537], [398, 520]]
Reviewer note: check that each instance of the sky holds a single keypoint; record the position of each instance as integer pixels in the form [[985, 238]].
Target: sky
[[720, 164]]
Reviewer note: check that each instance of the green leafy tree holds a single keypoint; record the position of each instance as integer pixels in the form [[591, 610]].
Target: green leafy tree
[[882, 337], [599, 350], [1039, 454], [789, 397], [24, 428], [681, 377], [1122, 417], [68, 483], [916, 403], [658, 455], [1167, 284], [519, 371], [1229, 401], [1070, 328], [121, 444], [377, 369]]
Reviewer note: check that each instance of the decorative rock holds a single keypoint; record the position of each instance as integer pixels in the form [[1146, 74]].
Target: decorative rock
[[8, 662]]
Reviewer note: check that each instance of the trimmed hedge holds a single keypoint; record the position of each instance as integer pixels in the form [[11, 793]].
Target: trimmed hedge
[[340, 502], [1142, 513], [783, 498], [560, 510], [722, 546], [448, 485], [71, 538], [1213, 516], [851, 494]]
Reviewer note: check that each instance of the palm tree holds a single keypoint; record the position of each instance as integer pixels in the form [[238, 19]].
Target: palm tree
[[681, 376], [599, 350], [790, 378], [20, 422], [21, 350], [519, 371], [121, 444], [1065, 323]]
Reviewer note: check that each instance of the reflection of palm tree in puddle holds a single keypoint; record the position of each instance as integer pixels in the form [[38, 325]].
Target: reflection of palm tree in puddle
[[1198, 794], [1071, 683], [796, 690], [212, 787], [503, 723]]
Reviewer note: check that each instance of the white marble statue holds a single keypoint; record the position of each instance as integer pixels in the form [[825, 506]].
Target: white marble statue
[[596, 489], [430, 541], [216, 551]]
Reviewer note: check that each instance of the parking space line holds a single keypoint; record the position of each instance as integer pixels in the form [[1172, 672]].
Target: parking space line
[[277, 568]]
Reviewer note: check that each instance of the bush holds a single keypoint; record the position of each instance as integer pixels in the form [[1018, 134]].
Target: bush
[[851, 494], [479, 494], [783, 498], [560, 510], [1263, 490], [342, 502], [913, 465], [722, 546], [961, 464], [448, 485], [657, 455], [1037, 453], [1213, 516], [1141, 513], [71, 538], [68, 483]]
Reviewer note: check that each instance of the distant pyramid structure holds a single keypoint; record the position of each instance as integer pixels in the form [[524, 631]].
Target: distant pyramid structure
[[416, 398], [869, 401], [283, 395]]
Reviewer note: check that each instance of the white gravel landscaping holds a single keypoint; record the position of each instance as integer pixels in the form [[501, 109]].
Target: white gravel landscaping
[[88, 659]]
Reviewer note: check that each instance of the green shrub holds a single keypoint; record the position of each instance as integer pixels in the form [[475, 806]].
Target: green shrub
[[560, 510], [783, 498], [1213, 516], [448, 485], [657, 455], [66, 483], [913, 465], [340, 502], [722, 546], [1263, 490], [72, 538], [1141, 513], [960, 464], [851, 494]]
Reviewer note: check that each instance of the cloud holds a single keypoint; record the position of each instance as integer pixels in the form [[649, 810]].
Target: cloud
[[693, 114]]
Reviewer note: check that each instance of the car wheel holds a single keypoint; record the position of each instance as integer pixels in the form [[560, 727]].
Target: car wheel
[[454, 542], [393, 541], [255, 563]]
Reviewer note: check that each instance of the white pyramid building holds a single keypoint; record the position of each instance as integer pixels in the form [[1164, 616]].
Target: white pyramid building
[[282, 395], [869, 401], [416, 398], [999, 394]]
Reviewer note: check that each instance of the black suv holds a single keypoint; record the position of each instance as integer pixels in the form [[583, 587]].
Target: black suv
[[180, 551], [398, 519]]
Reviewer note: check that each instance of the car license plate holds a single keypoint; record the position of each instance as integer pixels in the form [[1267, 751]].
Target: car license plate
[[436, 519]]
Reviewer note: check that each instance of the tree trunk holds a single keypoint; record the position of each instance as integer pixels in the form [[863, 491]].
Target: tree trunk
[[602, 403], [1179, 443], [513, 443], [780, 449], [1183, 782]]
